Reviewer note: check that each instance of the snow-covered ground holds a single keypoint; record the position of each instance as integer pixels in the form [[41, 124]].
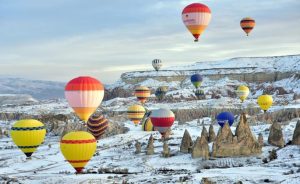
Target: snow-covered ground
[[48, 166]]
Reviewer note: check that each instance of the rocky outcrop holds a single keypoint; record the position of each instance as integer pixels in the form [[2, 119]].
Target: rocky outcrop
[[243, 143], [296, 135], [138, 147], [186, 143], [150, 146], [260, 140], [166, 150], [276, 136], [211, 134], [204, 133], [200, 148]]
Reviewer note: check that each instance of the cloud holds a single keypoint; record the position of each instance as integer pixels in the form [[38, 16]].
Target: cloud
[[60, 40]]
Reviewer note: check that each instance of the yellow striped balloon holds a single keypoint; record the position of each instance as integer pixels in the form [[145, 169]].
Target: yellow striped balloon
[[28, 135], [136, 113], [242, 92], [78, 148], [142, 93], [147, 125], [265, 102]]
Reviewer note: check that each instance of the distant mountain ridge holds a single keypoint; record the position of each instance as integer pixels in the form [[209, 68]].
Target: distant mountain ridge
[[38, 89]]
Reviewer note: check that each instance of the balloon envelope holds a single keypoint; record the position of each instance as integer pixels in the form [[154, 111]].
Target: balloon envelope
[[199, 93], [97, 125], [242, 92], [136, 113], [142, 93], [265, 102], [84, 95], [224, 117], [196, 18], [147, 125], [162, 119], [247, 24], [78, 148], [196, 80], [28, 134], [157, 64], [161, 92]]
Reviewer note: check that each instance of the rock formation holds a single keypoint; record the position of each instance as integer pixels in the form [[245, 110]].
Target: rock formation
[[211, 134], [166, 150], [260, 140], [1, 133], [204, 133], [276, 136], [200, 148], [150, 146], [186, 143], [138, 147], [296, 135], [243, 143]]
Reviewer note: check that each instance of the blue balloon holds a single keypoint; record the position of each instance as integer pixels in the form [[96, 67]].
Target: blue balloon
[[225, 116], [196, 78]]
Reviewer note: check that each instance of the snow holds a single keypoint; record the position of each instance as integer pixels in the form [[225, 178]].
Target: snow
[[48, 166]]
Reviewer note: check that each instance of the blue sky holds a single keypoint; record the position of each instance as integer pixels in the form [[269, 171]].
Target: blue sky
[[61, 39]]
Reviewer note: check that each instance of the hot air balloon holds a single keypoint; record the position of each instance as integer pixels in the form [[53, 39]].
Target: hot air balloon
[[224, 117], [162, 119], [84, 95], [199, 94], [147, 125], [265, 102], [157, 64], [28, 134], [196, 18], [142, 93], [161, 92], [97, 125], [196, 80], [242, 92], [78, 148], [247, 24], [136, 113]]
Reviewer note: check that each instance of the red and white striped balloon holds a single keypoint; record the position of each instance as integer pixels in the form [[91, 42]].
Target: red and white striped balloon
[[162, 119]]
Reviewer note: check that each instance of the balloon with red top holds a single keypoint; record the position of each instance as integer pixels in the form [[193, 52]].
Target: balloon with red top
[[162, 119]]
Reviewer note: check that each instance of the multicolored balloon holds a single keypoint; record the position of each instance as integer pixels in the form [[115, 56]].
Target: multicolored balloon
[[78, 148], [242, 92], [97, 125], [142, 93], [136, 113], [224, 117], [196, 18], [147, 125], [196, 80], [161, 92], [247, 24], [28, 135], [84, 95], [162, 119], [157, 64], [199, 94], [265, 102]]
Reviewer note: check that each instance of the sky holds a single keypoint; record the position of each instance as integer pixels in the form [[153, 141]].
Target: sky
[[59, 40]]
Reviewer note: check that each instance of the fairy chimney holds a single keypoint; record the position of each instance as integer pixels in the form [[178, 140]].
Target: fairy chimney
[[186, 143], [211, 134], [296, 135], [200, 148], [276, 135], [150, 146], [204, 133]]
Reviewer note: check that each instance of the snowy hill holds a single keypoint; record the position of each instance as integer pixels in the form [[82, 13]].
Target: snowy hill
[[36, 88], [16, 99], [282, 64]]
